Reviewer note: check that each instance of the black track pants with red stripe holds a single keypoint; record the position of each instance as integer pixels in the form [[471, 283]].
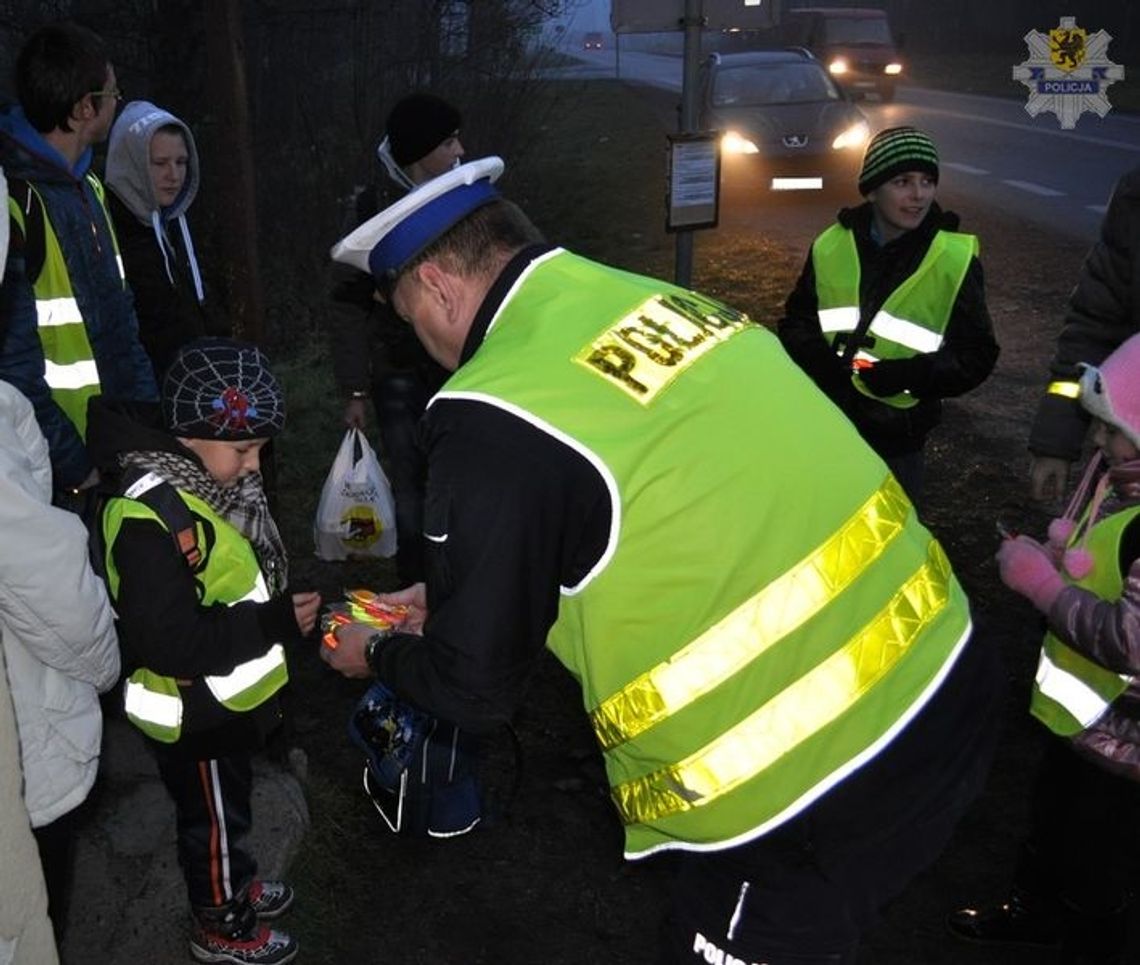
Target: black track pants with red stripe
[[212, 800]]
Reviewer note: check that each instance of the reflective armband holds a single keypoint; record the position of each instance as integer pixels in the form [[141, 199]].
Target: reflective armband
[[1070, 390]]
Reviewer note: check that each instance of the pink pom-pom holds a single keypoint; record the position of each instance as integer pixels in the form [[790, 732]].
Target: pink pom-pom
[[1060, 530], [1078, 563]]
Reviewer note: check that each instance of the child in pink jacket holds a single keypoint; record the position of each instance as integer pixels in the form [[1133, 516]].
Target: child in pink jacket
[[1073, 883]]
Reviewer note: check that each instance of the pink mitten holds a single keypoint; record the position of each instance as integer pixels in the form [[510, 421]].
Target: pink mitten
[[1026, 567]]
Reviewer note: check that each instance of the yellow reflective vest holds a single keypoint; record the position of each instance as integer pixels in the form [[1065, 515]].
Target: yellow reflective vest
[[757, 628], [1070, 691], [228, 574], [911, 321], [69, 363]]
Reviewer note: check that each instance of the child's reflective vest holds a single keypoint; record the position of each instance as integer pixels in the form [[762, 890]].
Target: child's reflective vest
[[913, 319], [1071, 692], [228, 573]]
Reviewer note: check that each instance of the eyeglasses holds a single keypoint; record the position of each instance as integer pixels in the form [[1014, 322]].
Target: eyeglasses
[[113, 92]]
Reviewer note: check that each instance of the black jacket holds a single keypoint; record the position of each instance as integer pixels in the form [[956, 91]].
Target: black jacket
[[167, 306], [369, 340], [1104, 310], [964, 360]]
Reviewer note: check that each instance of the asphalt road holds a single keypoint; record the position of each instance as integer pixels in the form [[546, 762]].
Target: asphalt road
[[994, 154]]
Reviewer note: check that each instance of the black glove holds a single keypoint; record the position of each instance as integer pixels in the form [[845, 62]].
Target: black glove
[[888, 377]]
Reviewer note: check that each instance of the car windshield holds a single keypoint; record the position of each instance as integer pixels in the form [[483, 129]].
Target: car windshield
[[857, 30], [757, 84]]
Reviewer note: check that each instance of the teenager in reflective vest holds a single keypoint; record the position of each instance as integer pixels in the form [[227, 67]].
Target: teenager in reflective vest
[[1078, 868], [632, 475], [197, 574], [889, 314], [72, 328]]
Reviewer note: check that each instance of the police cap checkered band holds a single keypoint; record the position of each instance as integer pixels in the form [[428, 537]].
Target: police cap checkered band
[[218, 388], [896, 150]]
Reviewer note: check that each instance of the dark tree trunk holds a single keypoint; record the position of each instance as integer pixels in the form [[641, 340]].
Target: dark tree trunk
[[226, 87]]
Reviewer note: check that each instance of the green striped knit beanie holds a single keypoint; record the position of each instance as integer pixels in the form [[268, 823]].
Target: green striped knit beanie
[[896, 151]]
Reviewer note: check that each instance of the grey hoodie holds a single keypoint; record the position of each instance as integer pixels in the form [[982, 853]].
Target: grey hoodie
[[128, 175]]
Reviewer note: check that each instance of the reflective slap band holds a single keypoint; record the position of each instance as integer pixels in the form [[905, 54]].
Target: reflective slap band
[[1070, 390]]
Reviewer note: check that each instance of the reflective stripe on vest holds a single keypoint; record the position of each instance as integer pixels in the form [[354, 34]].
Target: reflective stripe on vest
[[785, 604], [1072, 692], [911, 321], [152, 704], [800, 711], [1071, 695]]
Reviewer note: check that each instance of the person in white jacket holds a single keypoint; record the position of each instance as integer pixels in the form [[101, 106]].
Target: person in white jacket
[[25, 931], [60, 648]]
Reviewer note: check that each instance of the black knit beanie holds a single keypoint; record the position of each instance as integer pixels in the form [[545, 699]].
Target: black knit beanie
[[896, 151], [218, 388], [418, 124]]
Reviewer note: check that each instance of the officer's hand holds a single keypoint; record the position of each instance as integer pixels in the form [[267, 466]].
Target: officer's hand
[[354, 414], [1048, 478], [414, 598], [305, 607], [348, 656]]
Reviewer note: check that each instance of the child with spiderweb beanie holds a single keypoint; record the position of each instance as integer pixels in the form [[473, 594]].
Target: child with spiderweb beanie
[[1073, 882], [197, 574]]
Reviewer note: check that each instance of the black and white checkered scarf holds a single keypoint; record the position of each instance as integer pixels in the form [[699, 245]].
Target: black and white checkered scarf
[[243, 506]]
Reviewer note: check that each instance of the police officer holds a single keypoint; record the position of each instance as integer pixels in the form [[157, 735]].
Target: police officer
[[774, 658]]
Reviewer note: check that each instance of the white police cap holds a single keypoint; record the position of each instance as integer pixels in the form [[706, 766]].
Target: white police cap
[[389, 240]]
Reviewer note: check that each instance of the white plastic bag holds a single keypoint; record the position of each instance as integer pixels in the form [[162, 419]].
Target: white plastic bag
[[356, 516]]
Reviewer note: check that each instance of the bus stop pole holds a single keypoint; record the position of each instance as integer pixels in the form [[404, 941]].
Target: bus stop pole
[[692, 24]]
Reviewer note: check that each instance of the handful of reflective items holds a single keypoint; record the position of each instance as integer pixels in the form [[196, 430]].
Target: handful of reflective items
[[360, 606], [419, 771]]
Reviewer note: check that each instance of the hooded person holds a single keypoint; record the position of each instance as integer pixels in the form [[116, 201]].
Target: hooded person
[[153, 176]]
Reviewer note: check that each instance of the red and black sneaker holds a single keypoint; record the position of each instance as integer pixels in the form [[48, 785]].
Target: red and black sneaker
[[235, 936], [263, 946], [270, 899]]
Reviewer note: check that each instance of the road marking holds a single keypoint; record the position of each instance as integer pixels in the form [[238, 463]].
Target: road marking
[[964, 168], [1097, 208], [1032, 188], [1028, 128]]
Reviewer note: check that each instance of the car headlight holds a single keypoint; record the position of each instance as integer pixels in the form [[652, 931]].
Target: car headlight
[[838, 66], [893, 69], [855, 136], [733, 143]]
